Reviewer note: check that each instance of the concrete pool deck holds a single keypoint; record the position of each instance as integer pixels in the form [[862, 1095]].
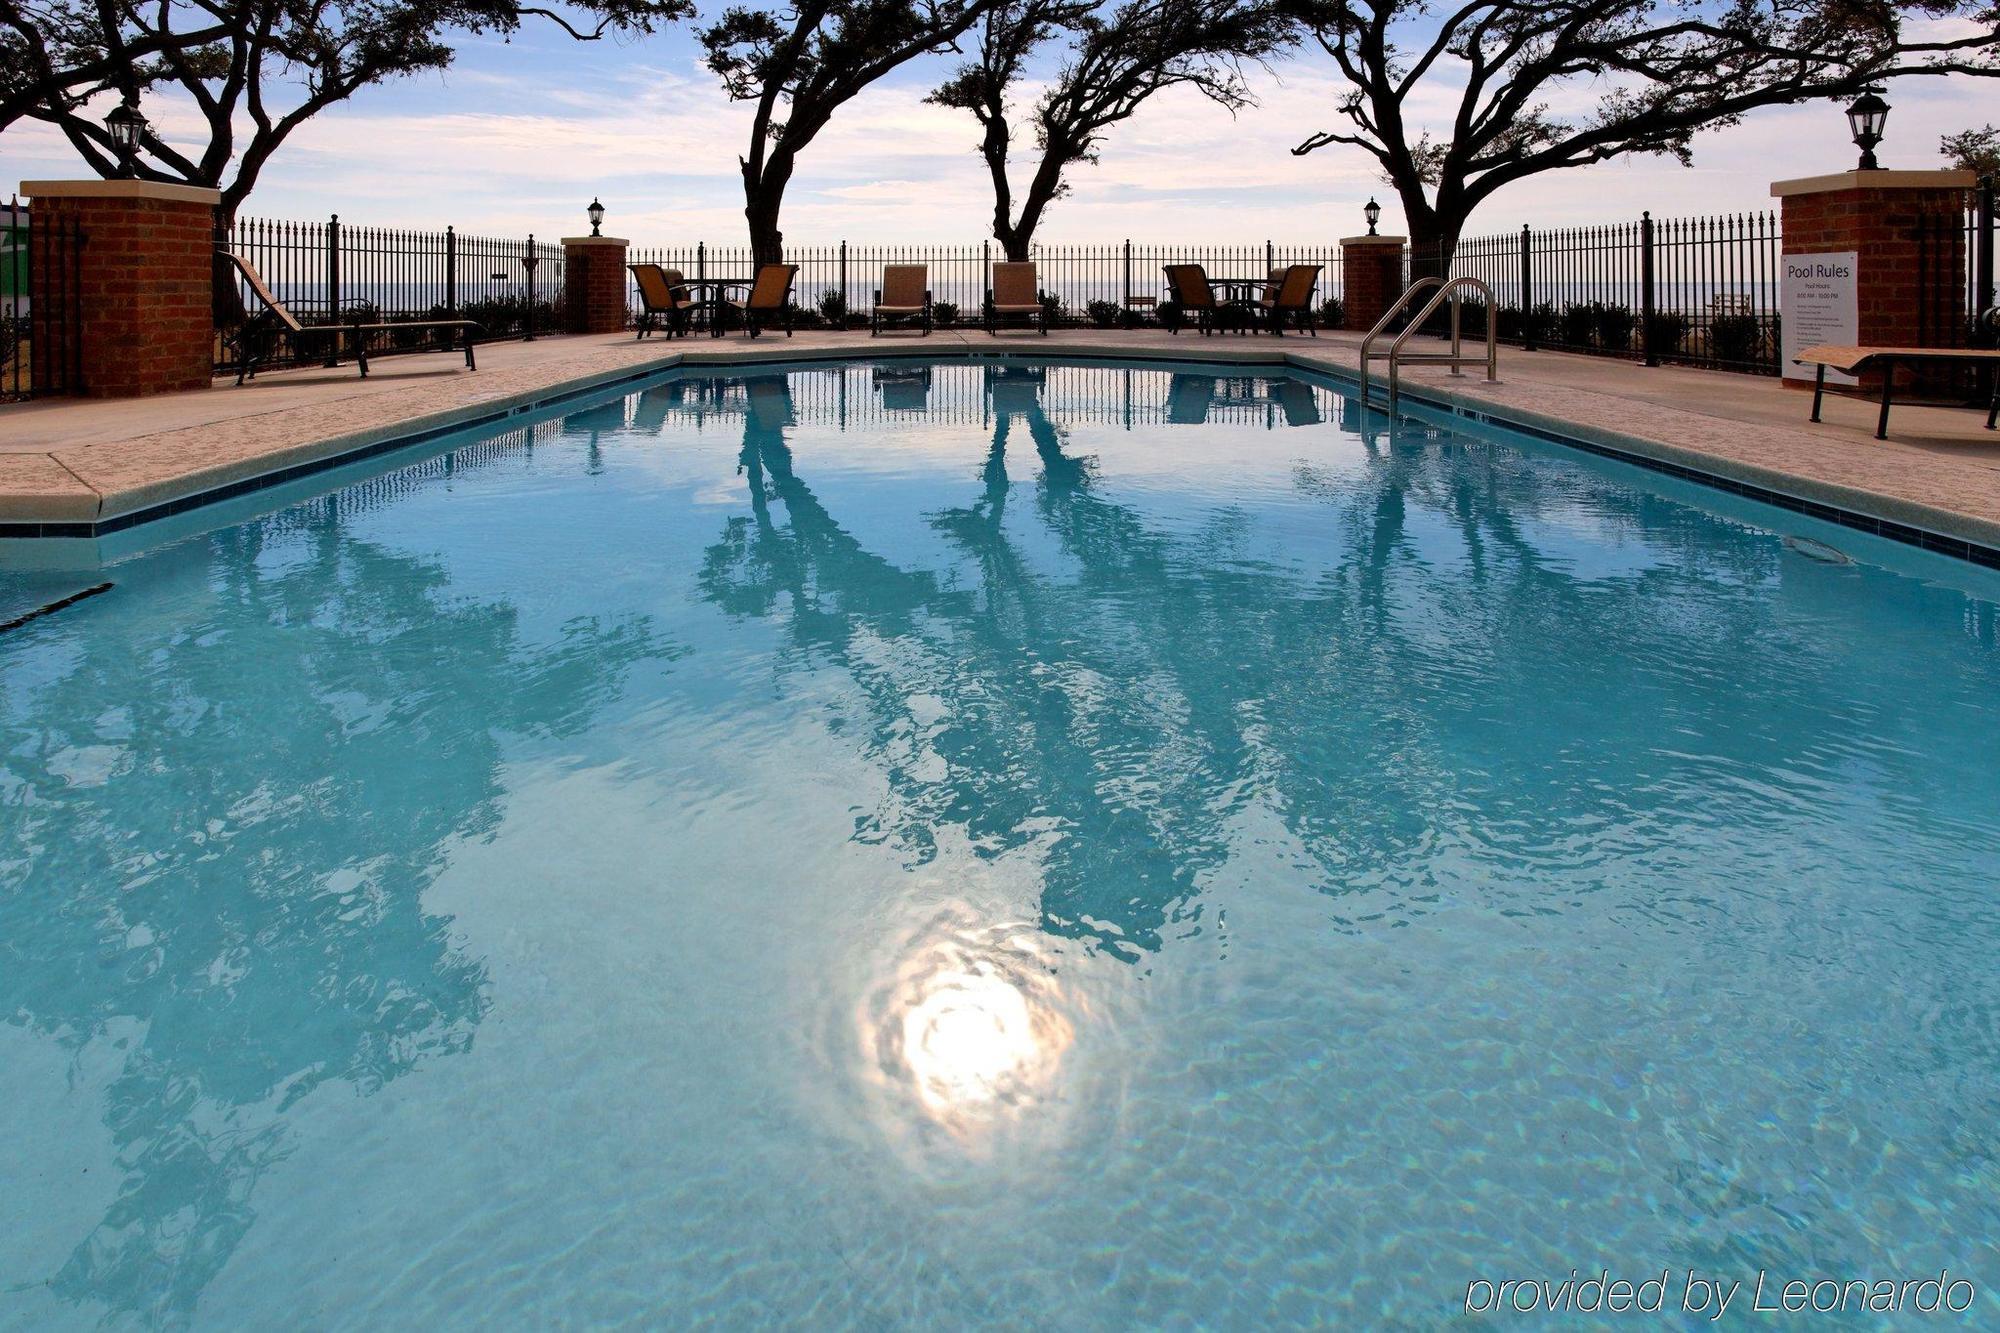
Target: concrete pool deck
[[75, 464]]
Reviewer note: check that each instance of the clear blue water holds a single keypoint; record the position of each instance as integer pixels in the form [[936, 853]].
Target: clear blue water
[[1053, 847]]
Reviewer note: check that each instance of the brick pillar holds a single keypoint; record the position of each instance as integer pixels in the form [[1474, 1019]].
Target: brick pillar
[[1371, 279], [593, 284], [130, 265], [1906, 231]]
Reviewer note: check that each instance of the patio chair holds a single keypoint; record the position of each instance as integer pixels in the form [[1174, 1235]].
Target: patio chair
[[1188, 285], [1188, 399], [253, 341], [903, 388], [905, 294], [1290, 293], [769, 297], [1015, 294], [664, 299]]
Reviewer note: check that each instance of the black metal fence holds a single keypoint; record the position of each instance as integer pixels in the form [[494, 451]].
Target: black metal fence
[[1699, 291], [334, 272], [1088, 283]]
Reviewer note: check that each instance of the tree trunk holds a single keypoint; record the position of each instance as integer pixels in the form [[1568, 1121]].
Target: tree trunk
[[763, 196], [1018, 237]]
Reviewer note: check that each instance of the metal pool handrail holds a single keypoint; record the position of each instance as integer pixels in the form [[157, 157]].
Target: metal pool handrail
[[1396, 357]]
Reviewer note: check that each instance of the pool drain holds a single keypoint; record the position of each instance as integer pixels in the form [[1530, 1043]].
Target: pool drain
[[52, 607], [1820, 551]]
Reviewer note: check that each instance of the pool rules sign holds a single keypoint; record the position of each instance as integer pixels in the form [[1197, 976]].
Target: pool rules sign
[[1817, 303]]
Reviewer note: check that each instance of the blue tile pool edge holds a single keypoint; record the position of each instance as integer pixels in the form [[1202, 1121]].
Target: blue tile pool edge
[[489, 414]]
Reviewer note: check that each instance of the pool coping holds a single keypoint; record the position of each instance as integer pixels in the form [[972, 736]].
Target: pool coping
[[1927, 527]]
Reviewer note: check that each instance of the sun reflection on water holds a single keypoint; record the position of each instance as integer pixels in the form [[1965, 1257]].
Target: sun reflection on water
[[969, 1034]]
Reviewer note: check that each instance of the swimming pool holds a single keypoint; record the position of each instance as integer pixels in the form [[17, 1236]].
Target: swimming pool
[[1011, 843]]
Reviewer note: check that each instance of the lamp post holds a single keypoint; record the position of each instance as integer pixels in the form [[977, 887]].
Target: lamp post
[[126, 127], [596, 211], [1865, 119], [1373, 212]]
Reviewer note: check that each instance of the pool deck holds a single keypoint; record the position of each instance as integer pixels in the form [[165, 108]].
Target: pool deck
[[71, 462]]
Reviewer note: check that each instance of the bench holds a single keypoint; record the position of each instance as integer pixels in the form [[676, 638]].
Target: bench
[[1854, 360], [274, 312]]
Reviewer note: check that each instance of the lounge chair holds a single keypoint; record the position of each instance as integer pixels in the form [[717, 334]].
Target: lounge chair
[[904, 388], [1289, 293], [254, 340], [664, 299], [1850, 360], [905, 294], [1015, 295], [769, 297], [1188, 286]]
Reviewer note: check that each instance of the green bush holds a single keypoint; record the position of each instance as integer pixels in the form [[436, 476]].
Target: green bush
[[1172, 313], [833, 307], [1614, 325], [1103, 314], [1667, 331], [944, 313], [1576, 323], [1332, 313], [1735, 338], [1053, 310]]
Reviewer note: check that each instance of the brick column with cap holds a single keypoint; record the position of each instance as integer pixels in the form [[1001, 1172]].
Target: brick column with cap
[[1906, 230], [1371, 279], [594, 284], [136, 266]]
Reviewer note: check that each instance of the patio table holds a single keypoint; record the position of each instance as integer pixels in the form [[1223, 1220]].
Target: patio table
[[1239, 295], [709, 305]]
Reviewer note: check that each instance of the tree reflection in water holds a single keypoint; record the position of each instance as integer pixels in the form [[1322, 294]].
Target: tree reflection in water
[[1416, 690], [237, 935]]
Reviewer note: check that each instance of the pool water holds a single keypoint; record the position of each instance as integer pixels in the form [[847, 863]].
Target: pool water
[[1021, 844]]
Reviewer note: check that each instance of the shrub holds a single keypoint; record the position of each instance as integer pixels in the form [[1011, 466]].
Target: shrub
[[1734, 337], [805, 317], [833, 307], [1576, 323], [1613, 324], [1172, 313], [1539, 321], [1103, 314], [1052, 308], [1667, 331], [944, 313], [1332, 313]]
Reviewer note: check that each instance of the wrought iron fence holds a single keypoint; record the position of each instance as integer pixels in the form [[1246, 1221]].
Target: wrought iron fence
[[1087, 282], [334, 272], [1699, 291], [41, 306]]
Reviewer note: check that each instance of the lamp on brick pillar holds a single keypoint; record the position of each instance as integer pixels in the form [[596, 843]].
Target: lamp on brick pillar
[[1371, 273], [1865, 121], [594, 278], [127, 128]]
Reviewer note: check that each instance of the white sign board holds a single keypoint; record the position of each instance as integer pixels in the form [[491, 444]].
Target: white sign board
[[1817, 304]]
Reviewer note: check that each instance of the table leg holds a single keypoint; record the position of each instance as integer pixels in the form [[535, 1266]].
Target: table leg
[[1888, 384], [1819, 390]]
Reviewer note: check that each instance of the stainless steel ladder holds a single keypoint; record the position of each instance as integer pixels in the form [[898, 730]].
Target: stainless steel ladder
[[1398, 358]]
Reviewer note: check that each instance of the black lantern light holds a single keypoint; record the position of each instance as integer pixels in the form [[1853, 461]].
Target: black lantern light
[[1373, 212], [126, 127], [596, 211], [1866, 118]]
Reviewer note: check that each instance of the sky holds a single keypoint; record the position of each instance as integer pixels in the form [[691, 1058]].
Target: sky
[[517, 137]]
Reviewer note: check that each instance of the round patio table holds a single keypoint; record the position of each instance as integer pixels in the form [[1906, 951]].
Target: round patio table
[[709, 306], [1239, 297]]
